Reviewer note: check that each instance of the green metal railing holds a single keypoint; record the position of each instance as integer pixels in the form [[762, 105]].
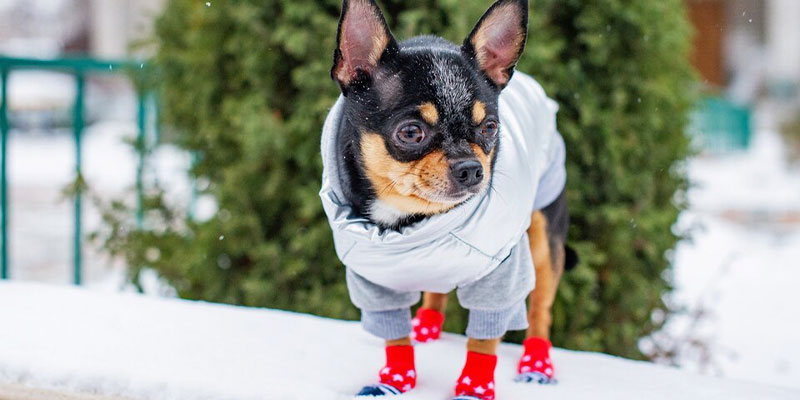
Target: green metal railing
[[720, 126], [80, 68]]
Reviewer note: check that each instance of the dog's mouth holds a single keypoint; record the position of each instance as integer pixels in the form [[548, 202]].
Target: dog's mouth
[[451, 196]]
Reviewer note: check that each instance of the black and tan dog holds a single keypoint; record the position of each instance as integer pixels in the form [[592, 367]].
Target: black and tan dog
[[420, 137]]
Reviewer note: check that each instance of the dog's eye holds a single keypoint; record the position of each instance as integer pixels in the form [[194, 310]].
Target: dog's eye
[[490, 128], [410, 134]]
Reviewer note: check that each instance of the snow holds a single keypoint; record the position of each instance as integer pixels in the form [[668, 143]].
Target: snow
[[40, 90], [740, 270], [150, 348]]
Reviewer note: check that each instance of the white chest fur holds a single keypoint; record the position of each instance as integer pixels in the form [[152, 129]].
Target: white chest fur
[[385, 214]]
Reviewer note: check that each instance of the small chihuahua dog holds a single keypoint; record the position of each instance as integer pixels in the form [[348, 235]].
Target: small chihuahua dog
[[443, 173]]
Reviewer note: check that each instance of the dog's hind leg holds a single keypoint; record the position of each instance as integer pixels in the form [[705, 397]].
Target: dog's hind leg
[[548, 261], [428, 322], [547, 235]]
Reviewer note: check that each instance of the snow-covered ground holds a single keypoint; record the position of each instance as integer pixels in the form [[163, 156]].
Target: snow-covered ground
[[148, 348], [738, 276]]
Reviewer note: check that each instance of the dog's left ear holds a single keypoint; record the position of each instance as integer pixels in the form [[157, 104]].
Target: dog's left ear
[[497, 41], [363, 40]]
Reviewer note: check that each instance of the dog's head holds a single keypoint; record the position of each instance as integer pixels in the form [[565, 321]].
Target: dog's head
[[424, 112]]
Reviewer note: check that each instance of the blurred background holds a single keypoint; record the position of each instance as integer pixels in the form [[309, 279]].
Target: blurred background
[[199, 161]]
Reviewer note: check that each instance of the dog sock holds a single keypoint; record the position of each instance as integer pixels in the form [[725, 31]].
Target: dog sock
[[536, 364], [397, 377], [427, 325], [477, 378]]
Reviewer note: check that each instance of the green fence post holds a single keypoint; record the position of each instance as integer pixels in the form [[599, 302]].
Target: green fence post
[[140, 146], [156, 117], [78, 122], [4, 128]]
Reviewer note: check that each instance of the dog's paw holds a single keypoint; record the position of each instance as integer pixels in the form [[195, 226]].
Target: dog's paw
[[427, 325], [397, 377], [536, 366], [535, 377], [477, 378], [379, 390]]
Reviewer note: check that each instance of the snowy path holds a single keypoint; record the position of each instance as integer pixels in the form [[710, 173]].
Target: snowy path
[[148, 348]]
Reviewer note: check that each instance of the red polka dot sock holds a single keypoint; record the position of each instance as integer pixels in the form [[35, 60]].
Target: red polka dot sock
[[397, 377], [477, 378], [427, 325], [536, 364]]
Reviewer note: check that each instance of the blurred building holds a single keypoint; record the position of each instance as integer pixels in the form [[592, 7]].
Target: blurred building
[[748, 48], [100, 28], [43, 28], [117, 26]]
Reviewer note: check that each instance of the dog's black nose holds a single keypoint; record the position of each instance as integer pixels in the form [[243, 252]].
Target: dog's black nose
[[467, 173]]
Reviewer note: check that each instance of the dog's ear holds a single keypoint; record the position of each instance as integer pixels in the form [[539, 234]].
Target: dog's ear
[[363, 40], [497, 41]]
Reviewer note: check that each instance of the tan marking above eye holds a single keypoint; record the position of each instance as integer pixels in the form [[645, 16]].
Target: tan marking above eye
[[429, 113], [478, 112]]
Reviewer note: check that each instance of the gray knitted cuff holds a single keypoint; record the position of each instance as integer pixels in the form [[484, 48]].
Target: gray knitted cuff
[[387, 325], [493, 324]]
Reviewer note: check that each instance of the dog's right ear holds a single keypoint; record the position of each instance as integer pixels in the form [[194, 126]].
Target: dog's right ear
[[363, 40]]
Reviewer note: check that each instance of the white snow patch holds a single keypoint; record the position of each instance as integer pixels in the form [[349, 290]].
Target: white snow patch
[[148, 348], [741, 266], [40, 90]]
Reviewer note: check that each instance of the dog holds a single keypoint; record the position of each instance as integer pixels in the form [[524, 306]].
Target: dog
[[443, 170]]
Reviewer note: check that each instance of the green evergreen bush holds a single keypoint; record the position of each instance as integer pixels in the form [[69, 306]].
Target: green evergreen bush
[[245, 86]]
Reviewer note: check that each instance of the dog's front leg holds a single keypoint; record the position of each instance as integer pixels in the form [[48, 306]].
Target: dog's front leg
[[477, 377], [430, 318]]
